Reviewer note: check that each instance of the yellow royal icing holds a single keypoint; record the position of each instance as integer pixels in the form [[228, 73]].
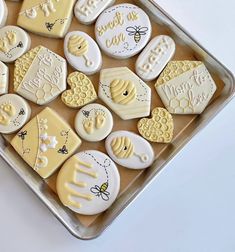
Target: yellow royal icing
[[122, 147]]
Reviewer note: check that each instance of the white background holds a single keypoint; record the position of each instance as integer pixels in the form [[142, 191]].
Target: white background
[[190, 207]]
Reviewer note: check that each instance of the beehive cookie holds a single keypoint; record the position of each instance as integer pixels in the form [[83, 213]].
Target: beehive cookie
[[3, 13], [81, 93], [185, 87], [14, 113], [14, 42], [94, 122], [46, 142], [159, 128], [123, 30], [4, 78], [82, 52], [129, 150], [88, 183], [125, 93], [50, 18], [40, 75]]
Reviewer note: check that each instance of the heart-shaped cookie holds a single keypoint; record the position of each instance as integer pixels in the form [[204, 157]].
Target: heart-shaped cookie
[[159, 128], [81, 93]]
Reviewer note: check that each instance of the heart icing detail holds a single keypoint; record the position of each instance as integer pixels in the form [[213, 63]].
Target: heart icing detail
[[159, 128], [81, 93]]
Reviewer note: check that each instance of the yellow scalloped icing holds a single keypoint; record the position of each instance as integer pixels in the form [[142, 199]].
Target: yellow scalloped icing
[[175, 69]]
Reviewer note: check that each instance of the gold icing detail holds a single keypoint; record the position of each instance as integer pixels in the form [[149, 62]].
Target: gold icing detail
[[8, 108], [8, 39], [132, 16], [11, 37], [81, 93], [123, 91], [77, 45], [116, 40], [175, 69], [100, 120], [159, 128], [88, 125], [22, 66], [4, 119], [3, 45], [92, 174], [122, 147]]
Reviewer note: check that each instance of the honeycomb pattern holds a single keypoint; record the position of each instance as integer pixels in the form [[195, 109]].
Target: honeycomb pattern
[[181, 106], [159, 128]]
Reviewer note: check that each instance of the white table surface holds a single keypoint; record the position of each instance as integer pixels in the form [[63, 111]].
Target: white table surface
[[190, 207]]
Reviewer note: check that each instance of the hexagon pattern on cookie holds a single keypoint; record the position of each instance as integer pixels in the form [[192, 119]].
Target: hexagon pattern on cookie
[[125, 93], [185, 87], [40, 75], [50, 18], [46, 142], [4, 78]]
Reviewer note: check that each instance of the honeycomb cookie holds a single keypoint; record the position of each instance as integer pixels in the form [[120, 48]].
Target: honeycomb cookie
[[159, 128], [4, 78], [81, 93], [46, 142], [88, 183], [14, 42], [50, 18], [14, 113], [40, 75], [3, 13], [93, 122]]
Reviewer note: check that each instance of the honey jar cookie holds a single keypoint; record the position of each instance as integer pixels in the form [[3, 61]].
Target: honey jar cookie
[[129, 150], [40, 75], [81, 93], [4, 78], [125, 93], [51, 18], [14, 113], [14, 42], [123, 30], [3, 13], [46, 142], [159, 128], [88, 183], [185, 87], [94, 122]]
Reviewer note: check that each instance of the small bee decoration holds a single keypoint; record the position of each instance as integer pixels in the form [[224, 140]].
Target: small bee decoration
[[63, 150], [86, 113], [23, 134], [101, 191], [137, 32]]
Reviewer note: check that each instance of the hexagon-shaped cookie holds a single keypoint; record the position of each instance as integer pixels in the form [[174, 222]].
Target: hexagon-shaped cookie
[[125, 93], [40, 75], [4, 78], [185, 87]]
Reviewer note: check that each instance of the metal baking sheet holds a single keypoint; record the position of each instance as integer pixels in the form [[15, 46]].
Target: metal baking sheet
[[132, 182]]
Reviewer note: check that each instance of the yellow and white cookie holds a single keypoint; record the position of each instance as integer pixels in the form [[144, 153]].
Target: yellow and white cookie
[[88, 183], [14, 42], [51, 18], [4, 78], [14, 113], [125, 93], [185, 87], [40, 75], [94, 122], [3, 13], [159, 128], [81, 93], [46, 142]]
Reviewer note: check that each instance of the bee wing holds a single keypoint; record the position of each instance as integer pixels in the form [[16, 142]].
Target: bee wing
[[143, 30], [95, 189], [105, 196], [131, 30]]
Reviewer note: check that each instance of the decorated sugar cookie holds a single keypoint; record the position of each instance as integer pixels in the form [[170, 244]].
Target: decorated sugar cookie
[[81, 93], [82, 52], [93, 122], [3, 13], [87, 11], [123, 30], [50, 18], [46, 142], [159, 128], [40, 75], [14, 42], [88, 183], [14, 113], [129, 150], [125, 93], [4, 78], [154, 57], [185, 87]]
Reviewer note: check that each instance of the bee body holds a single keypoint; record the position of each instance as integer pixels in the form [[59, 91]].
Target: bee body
[[101, 191]]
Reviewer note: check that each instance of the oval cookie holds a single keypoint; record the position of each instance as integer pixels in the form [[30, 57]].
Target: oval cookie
[[14, 113], [94, 122], [14, 42], [129, 150], [154, 57], [82, 52], [88, 183], [159, 128], [3, 13], [123, 30], [4, 78]]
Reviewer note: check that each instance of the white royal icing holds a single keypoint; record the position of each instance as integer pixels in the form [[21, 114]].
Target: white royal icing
[[3, 13], [4, 78]]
